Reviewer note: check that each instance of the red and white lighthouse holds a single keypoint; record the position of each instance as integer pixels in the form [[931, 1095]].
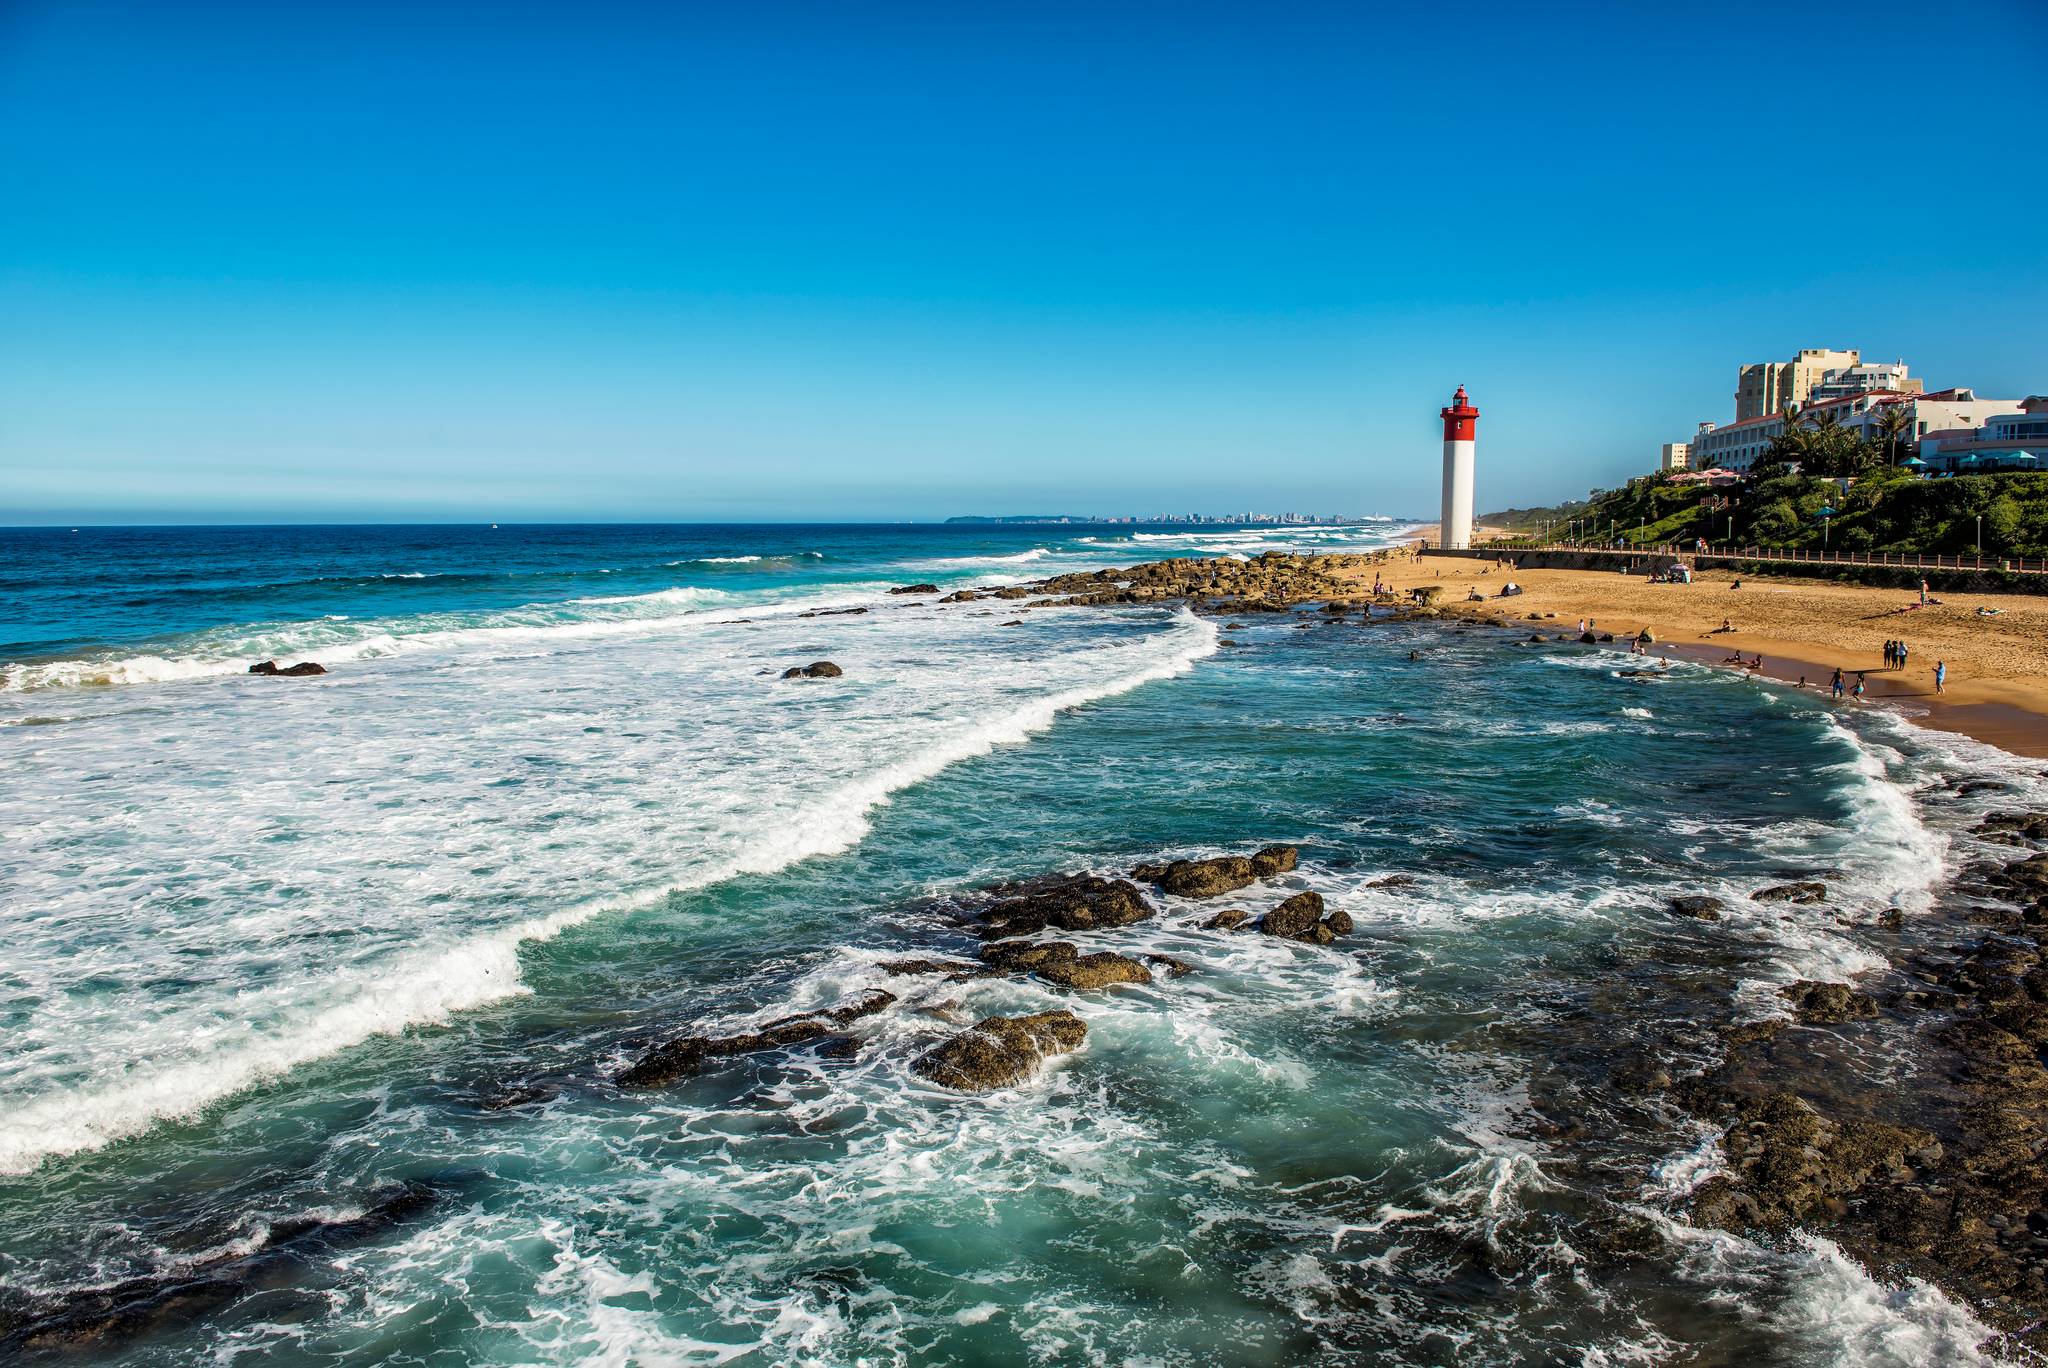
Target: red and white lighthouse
[[1461, 427]]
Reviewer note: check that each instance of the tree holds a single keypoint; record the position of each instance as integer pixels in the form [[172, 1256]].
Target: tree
[[1892, 427]]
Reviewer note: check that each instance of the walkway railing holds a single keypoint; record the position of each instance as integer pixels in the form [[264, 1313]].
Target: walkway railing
[[1904, 560]]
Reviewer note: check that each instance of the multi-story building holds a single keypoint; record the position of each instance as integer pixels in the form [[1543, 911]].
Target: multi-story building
[[1737, 445], [1674, 456], [1864, 379], [2003, 441], [1946, 410], [1773, 386]]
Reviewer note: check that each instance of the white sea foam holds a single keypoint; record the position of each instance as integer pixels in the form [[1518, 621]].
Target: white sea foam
[[422, 894]]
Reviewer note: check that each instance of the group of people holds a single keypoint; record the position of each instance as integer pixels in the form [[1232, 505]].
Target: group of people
[[1895, 653]]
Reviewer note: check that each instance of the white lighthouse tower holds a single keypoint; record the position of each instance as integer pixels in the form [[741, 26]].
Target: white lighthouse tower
[[1461, 424]]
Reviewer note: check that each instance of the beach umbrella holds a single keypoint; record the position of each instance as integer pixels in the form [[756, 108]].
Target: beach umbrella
[[1914, 463]]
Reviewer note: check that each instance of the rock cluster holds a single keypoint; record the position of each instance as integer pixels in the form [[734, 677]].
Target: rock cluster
[[1077, 902], [817, 669], [1062, 963], [303, 668], [1223, 874], [1303, 918]]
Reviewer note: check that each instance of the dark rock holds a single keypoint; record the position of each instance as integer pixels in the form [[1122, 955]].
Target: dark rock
[[1790, 1165], [961, 596], [1395, 881], [1274, 859], [1294, 918], [1077, 902], [298, 671], [1207, 878], [909, 968], [1340, 922], [1099, 970], [1792, 893], [1174, 966], [1229, 919], [1816, 1003], [679, 1059], [997, 1052], [915, 589], [1017, 956], [1704, 906], [1014, 622], [817, 669]]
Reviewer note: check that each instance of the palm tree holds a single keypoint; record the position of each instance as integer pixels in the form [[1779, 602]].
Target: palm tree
[[1892, 425]]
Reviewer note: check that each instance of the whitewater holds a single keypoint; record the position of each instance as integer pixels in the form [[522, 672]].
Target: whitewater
[[313, 989]]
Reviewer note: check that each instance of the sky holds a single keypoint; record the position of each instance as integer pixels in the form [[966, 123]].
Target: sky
[[364, 262]]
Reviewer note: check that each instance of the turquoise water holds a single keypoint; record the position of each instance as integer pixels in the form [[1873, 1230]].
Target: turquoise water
[[312, 988]]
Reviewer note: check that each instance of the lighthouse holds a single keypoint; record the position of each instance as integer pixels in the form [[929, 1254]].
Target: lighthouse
[[1461, 423]]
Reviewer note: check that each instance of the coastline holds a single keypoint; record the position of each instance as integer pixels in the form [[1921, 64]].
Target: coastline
[[1997, 686]]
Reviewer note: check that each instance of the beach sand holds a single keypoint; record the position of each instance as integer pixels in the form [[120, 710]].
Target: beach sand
[[1997, 686]]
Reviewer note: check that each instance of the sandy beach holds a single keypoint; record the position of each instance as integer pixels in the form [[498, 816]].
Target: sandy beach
[[1997, 682]]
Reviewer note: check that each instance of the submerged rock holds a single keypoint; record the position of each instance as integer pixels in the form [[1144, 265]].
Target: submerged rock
[[300, 670], [1229, 919], [679, 1059], [915, 589], [1792, 893], [817, 669], [997, 1052], [961, 596], [1395, 881], [1704, 906]]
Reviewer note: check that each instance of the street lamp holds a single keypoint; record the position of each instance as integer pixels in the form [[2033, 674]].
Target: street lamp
[[1825, 514], [1980, 534]]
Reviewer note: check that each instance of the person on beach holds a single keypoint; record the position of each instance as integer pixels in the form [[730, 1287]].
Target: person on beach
[[1940, 675], [1905, 654], [1923, 592], [1858, 690], [1835, 685]]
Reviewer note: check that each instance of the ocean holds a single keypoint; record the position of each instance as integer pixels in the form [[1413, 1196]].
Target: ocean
[[313, 989]]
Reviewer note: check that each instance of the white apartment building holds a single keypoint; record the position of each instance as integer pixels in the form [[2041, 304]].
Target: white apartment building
[[1737, 445], [1864, 379], [1674, 456]]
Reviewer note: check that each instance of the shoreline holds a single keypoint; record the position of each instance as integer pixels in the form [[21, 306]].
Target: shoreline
[[1997, 688]]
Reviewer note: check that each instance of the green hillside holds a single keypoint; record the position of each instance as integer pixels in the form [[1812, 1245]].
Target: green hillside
[[1880, 512]]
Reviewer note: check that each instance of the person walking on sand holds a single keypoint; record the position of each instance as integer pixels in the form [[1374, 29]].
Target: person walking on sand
[[1923, 591], [1940, 675], [1835, 685]]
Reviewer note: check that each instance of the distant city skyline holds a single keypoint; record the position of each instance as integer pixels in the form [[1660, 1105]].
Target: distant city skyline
[[451, 263]]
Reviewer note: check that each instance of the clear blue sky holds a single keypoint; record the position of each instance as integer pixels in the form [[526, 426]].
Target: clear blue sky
[[365, 262]]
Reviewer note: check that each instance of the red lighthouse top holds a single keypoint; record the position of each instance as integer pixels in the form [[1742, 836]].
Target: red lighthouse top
[[1461, 420]]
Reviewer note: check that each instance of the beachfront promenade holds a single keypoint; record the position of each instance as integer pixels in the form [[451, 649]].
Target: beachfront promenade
[[1730, 555]]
